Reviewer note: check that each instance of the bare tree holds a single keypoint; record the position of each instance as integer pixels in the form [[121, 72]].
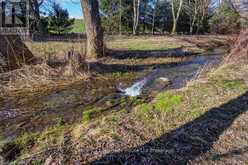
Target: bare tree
[[136, 12], [197, 11], [202, 13], [35, 9], [120, 17], [94, 31], [240, 6], [154, 15], [176, 9], [192, 10]]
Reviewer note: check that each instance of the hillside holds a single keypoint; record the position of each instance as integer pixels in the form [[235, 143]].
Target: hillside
[[78, 26]]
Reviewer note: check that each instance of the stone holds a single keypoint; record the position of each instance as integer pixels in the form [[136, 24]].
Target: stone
[[164, 79]]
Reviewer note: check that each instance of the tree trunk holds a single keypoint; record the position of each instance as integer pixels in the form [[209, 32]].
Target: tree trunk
[[174, 27], [192, 12], [13, 53], [136, 6], [175, 14], [154, 16], [94, 31], [120, 17], [145, 15], [192, 24], [35, 9], [174, 17]]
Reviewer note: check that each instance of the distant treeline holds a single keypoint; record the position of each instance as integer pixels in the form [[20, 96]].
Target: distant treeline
[[170, 16], [144, 17]]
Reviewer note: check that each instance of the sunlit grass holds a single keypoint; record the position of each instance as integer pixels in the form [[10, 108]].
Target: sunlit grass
[[140, 44], [88, 114], [78, 26], [164, 102]]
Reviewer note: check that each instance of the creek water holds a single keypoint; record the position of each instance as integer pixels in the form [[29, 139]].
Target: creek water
[[37, 112], [178, 75]]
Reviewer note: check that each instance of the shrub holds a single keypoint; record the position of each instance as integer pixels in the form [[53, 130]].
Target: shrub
[[225, 20], [59, 21]]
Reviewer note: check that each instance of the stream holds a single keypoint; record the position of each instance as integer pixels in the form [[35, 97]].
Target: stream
[[39, 111], [174, 77]]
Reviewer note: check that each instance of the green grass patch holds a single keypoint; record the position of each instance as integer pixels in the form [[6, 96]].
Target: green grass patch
[[78, 26], [113, 120], [1, 138], [195, 113], [88, 114], [26, 138], [145, 108], [53, 136], [167, 101], [60, 121], [163, 103], [37, 162], [50, 137], [232, 84], [115, 136], [138, 44]]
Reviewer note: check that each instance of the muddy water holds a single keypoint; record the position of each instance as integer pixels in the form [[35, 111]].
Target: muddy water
[[35, 112]]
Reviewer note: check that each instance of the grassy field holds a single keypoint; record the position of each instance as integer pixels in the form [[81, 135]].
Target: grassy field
[[78, 26], [145, 44], [142, 43]]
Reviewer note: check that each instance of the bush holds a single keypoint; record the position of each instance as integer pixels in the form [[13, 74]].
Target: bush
[[225, 21]]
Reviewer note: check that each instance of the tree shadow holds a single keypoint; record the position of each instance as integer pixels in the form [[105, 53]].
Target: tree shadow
[[232, 153], [186, 143], [141, 54], [102, 68]]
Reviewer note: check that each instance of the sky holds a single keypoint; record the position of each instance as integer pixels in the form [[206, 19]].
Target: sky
[[73, 7]]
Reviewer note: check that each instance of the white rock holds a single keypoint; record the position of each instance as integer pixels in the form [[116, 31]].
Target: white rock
[[164, 79]]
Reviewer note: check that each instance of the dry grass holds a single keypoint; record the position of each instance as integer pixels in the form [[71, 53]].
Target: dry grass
[[55, 53], [239, 51], [126, 128], [143, 124], [35, 77], [45, 49], [50, 48]]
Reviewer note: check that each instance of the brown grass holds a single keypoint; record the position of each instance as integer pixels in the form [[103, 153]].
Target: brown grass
[[239, 52], [31, 77]]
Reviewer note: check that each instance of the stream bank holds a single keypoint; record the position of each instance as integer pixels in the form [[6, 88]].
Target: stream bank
[[25, 115]]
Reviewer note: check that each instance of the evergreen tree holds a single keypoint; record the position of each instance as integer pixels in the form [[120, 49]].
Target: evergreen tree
[[59, 21]]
